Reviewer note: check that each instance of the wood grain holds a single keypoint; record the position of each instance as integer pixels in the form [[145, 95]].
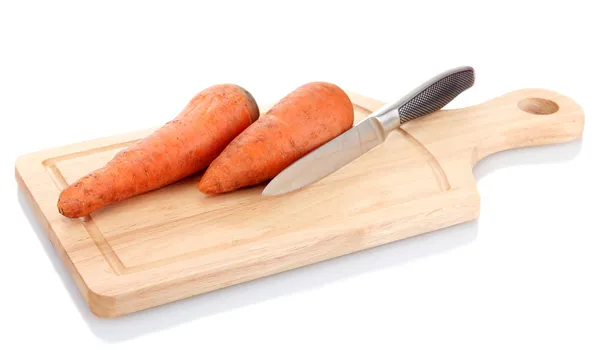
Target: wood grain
[[175, 243]]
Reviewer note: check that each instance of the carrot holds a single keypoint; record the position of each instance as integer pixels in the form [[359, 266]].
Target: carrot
[[303, 120], [181, 147]]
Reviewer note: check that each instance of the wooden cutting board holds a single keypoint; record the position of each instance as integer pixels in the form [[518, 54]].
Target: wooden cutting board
[[175, 242]]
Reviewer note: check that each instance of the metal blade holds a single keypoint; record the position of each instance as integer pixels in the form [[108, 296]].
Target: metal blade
[[328, 158]]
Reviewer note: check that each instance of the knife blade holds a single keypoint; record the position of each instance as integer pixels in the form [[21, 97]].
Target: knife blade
[[427, 98]]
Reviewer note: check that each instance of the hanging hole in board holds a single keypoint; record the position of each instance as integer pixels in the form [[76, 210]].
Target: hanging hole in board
[[538, 106]]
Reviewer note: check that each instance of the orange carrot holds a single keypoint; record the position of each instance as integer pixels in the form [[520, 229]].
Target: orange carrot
[[303, 120], [181, 147]]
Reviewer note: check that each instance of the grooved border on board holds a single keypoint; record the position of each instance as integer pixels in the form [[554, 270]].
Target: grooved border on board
[[366, 105]]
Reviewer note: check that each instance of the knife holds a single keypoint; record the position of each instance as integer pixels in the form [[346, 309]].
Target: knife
[[429, 97]]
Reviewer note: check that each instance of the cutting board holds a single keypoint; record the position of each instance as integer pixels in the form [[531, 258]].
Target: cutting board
[[175, 243]]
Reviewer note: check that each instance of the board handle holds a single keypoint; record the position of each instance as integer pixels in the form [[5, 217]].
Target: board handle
[[523, 118]]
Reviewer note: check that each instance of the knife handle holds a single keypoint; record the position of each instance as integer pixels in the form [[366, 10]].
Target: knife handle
[[429, 97]]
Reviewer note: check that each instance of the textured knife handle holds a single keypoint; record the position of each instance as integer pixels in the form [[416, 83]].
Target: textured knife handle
[[434, 94]]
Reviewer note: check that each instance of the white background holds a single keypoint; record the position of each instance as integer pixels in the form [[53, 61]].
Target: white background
[[524, 275]]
